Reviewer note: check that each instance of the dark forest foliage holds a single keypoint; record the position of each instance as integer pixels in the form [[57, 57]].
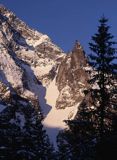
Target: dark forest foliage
[[21, 133]]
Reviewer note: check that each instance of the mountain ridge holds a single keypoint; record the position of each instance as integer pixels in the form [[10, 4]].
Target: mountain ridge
[[32, 67]]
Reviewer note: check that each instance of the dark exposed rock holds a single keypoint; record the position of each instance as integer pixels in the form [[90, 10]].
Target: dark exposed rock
[[72, 78]]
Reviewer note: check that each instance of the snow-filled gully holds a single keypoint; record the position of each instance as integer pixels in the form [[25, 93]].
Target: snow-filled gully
[[54, 118]]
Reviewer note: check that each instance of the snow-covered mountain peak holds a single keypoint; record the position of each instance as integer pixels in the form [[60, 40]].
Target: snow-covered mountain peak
[[35, 69], [31, 46]]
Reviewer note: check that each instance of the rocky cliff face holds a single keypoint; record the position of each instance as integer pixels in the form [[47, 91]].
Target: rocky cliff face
[[72, 78], [36, 70]]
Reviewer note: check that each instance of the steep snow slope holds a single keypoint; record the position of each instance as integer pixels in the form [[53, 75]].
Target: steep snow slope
[[56, 116], [54, 120]]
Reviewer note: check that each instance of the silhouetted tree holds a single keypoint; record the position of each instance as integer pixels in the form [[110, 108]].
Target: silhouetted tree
[[21, 133], [102, 60], [76, 143]]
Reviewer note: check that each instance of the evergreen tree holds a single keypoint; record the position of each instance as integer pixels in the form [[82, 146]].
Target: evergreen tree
[[21, 133], [78, 141], [102, 60]]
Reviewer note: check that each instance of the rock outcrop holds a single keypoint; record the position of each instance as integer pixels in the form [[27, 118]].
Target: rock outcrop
[[72, 78]]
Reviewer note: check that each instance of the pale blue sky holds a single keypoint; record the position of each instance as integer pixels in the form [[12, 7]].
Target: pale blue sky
[[65, 20]]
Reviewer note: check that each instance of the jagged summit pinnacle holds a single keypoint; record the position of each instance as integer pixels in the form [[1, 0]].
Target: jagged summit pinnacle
[[77, 46]]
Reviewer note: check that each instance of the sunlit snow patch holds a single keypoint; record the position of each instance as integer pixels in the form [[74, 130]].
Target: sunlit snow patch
[[54, 120]]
